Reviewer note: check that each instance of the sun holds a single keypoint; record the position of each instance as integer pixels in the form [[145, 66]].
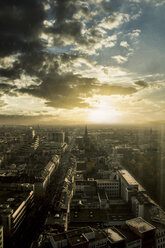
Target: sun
[[103, 114]]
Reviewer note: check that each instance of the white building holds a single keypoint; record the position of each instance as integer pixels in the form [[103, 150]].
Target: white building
[[112, 187], [129, 186], [137, 207]]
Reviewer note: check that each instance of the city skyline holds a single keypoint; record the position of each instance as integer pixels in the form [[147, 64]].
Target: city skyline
[[76, 62]]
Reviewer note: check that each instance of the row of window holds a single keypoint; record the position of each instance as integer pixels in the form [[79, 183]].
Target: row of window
[[161, 240], [161, 246]]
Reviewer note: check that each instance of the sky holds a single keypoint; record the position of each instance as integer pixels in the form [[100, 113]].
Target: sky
[[82, 61]]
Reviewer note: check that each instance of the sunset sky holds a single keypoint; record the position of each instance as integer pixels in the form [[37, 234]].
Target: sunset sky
[[82, 61]]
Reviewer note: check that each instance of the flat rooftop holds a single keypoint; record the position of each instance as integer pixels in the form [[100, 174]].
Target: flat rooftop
[[72, 234], [140, 225], [76, 240], [128, 178], [114, 236]]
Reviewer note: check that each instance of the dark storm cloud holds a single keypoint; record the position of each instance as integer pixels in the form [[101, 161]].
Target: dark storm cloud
[[20, 24], [37, 63], [4, 86], [11, 73], [83, 30], [65, 23], [141, 83], [72, 28], [61, 91], [65, 9], [8, 89], [69, 90]]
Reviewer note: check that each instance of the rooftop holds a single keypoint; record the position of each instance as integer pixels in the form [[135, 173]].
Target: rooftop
[[140, 225], [128, 178], [115, 213], [113, 235], [130, 235], [73, 235], [77, 240]]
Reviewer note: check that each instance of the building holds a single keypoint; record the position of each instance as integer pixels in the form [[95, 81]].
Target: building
[[14, 207], [144, 230], [80, 141], [58, 137], [1, 236], [160, 237], [112, 187], [116, 239], [43, 179], [80, 238], [132, 240], [137, 206], [129, 186]]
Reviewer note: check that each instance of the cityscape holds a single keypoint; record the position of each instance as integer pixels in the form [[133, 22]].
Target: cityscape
[[82, 124], [82, 186]]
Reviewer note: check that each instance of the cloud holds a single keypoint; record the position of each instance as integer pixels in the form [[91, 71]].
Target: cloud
[[20, 25], [69, 91], [124, 44], [114, 20], [134, 34], [135, 1], [120, 59], [107, 89], [62, 91], [62, 52], [7, 89], [141, 83], [67, 23], [2, 103]]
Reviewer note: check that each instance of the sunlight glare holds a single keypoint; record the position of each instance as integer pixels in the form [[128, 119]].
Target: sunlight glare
[[103, 114]]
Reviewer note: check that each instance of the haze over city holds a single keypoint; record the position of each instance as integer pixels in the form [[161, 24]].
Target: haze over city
[[76, 62]]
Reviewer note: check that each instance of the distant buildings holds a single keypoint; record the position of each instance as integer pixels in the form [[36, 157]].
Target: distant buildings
[[58, 137]]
